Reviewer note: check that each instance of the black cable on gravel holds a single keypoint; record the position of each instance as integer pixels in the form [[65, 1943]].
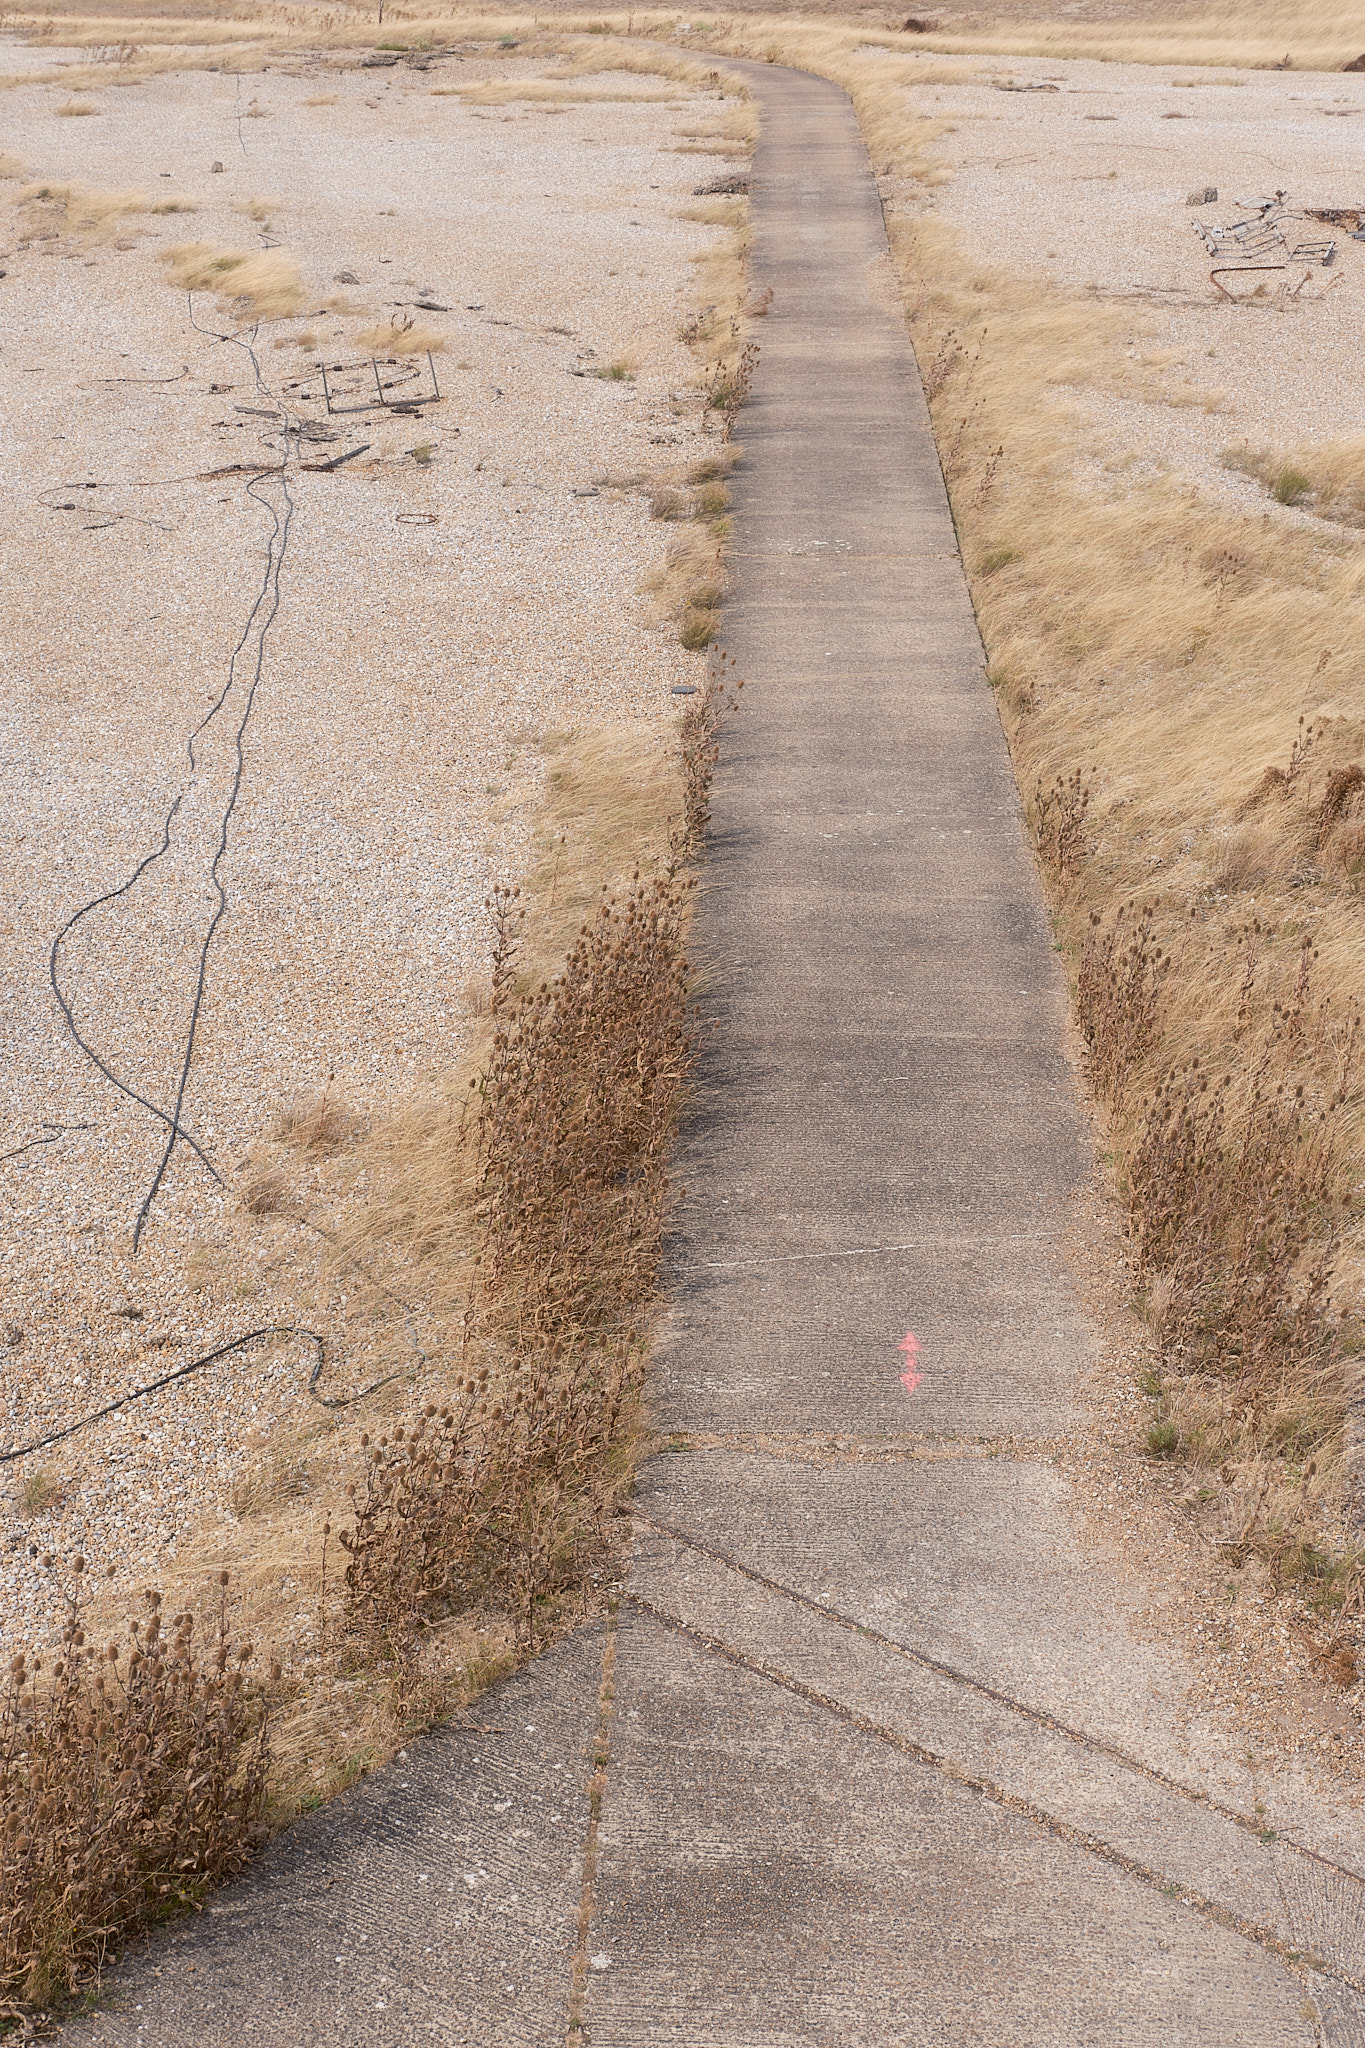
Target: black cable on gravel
[[259, 620], [168, 1379]]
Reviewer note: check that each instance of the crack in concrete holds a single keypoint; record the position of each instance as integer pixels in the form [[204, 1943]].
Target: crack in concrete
[[575, 2034], [868, 1251], [840, 1448], [1078, 1838], [1037, 1715]]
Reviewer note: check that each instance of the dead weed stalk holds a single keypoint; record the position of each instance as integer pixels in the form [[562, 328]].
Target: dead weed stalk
[[500, 1501], [132, 1777]]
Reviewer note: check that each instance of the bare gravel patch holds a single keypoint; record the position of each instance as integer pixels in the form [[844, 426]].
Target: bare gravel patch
[[450, 601], [1082, 178]]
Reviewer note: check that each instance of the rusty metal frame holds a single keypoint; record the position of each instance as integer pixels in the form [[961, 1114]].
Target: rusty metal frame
[[432, 397]]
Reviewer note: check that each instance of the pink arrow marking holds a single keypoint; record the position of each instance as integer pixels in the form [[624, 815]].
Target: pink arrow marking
[[909, 1348]]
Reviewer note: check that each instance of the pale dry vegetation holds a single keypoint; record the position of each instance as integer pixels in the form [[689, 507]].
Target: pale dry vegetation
[[90, 211], [400, 335], [1326, 478], [132, 1777], [265, 280]]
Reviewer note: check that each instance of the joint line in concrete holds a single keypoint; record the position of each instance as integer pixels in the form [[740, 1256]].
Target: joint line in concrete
[[576, 2033], [1037, 1715], [1093, 1845], [868, 1251]]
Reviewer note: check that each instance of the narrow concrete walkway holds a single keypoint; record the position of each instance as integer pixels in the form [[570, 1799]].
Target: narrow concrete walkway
[[889, 1761], [889, 1764]]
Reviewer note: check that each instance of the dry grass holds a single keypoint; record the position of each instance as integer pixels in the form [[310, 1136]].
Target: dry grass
[[1313, 36], [265, 280], [548, 92], [75, 110], [400, 336], [1326, 478], [90, 211], [317, 1125]]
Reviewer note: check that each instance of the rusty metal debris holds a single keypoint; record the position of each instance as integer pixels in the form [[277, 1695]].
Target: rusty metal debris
[[408, 402], [1265, 240]]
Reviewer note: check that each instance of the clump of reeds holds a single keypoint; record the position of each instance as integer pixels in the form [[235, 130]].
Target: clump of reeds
[[132, 1777]]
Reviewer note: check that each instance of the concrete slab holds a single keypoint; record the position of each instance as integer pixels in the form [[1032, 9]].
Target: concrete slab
[[770, 1878], [437, 1902]]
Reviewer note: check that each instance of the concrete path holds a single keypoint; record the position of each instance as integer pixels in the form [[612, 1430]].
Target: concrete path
[[889, 1761]]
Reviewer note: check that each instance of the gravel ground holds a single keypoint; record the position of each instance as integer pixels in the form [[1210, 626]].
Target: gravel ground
[[432, 622], [1086, 186]]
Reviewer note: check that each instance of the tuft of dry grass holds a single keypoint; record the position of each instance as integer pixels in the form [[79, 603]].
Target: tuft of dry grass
[[38, 1492], [90, 211], [267, 280], [499, 92], [75, 110], [400, 336], [1326, 478], [316, 1125], [10, 167]]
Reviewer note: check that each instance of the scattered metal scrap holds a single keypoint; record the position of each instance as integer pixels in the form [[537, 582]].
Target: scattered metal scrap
[[1264, 239], [407, 404]]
